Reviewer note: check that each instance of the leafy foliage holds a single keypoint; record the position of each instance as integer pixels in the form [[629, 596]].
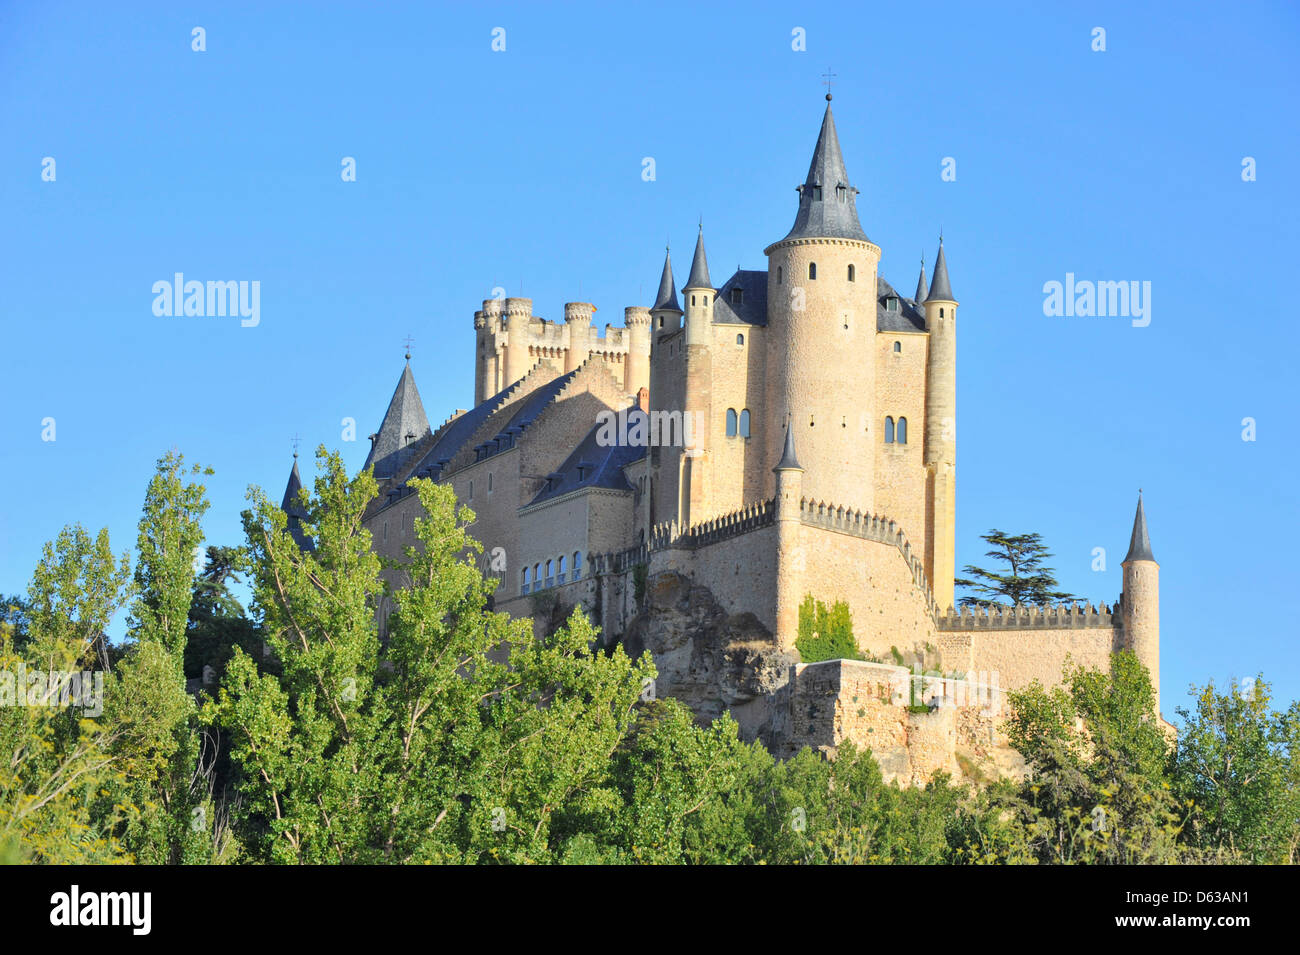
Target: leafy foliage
[[1026, 580], [825, 634]]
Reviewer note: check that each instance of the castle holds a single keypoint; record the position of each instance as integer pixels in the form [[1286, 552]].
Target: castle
[[804, 442]]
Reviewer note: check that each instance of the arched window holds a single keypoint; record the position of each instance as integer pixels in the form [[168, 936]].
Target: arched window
[[661, 321], [692, 299], [780, 274], [731, 422], [902, 431], [559, 571], [550, 573], [941, 312], [740, 339], [537, 576], [853, 274], [898, 346], [577, 564], [812, 270], [889, 431], [489, 482], [524, 588], [744, 423]]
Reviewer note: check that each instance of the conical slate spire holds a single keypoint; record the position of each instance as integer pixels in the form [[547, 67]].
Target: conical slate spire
[[920, 284], [294, 509], [404, 424], [1139, 547], [699, 277], [940, 291], [827, 202], [788, 462], [667, 297]]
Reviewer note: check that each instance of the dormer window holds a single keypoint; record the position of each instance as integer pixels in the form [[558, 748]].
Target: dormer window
[[891, 304], [737, 296], [842, 192], [817, 193]]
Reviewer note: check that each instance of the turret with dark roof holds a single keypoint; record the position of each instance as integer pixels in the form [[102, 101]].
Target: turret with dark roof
[[699, 277], [292, 507], [827, 202], [404, 424], [789, 461], [1139, 546], [667, 297], [940, 291], [920, 284]]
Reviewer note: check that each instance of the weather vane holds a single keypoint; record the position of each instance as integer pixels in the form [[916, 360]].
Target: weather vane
[[294, 441], [407, 341], [826, 82]]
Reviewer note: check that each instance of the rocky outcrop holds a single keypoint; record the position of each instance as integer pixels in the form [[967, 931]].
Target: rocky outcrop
[[712, 661]]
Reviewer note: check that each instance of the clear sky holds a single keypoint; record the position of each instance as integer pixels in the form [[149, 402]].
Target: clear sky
[[522, 169]]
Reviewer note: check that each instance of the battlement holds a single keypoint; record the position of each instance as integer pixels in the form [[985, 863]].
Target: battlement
[[1066, 616], [670, 535], [875, 527]]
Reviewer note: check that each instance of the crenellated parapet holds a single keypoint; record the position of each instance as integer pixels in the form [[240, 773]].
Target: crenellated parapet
[[1066, 616], [670, 535], [875, 527]]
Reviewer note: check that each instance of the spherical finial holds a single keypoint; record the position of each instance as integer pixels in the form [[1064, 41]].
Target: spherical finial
[[828, 97]]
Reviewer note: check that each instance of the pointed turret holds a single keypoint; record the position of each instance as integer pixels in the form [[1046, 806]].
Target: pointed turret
[[827, 202], [404, 423], [292, 507], [940, 291], [1139, 545], [789, 461], [699, 277], [667, 297], [920, 284]]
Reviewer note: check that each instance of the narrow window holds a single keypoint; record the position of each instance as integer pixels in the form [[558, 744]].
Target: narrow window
[[889, 431], [779, 274], [902, 431], [812, 270], [524, 588], [559, 573], [731, 422], [898, 346], [853, 274], [577, 564], [550, 573], [489, 482], [692, 299], [471, 490], [740, 339], [744, 423], [537, 576], [941, 312], [817, 193], [661, 321]]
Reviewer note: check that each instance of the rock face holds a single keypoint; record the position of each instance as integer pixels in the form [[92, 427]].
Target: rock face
[[710, 660]]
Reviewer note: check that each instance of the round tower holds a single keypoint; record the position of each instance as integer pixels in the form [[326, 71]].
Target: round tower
[[490, 358], [665, 313], [821, 295], [517, 313], [637, 368], [941, 434], [577, 316], [1140, 602]]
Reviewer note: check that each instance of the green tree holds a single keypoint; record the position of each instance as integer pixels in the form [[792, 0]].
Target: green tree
[[1026, 581], [825, 634], [1238, 760]]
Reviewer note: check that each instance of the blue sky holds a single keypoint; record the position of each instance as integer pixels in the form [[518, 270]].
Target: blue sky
[[522, 169]]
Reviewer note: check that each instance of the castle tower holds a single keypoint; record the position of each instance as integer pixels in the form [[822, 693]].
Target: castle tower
[[578, 315], [821, 295], [517, 313], [789, 548], [666, 314], [487, 367], [636, 373], [698, 295], [920, 283], [941, 433], [1140, 603]]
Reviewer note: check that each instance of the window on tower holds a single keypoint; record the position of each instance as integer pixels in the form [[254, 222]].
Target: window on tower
[[853, 274], [889, 430], [731, 422], [740, 339], [744, 423], [779, 275], [902, 431], [812, 270], [898, 346]]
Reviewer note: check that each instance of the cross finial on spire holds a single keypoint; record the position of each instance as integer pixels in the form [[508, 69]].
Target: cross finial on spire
[[294, 441], [827, 78], [408, 340]]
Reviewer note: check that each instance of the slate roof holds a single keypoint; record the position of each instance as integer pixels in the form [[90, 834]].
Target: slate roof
[[910, 316], [752, 309], [292, 506], [939, 289], [789, 460], [405, 416], [531, 406], [699, 277], [667, 297], [920, 285], [602, 467], [1139, 546], [827, 202]]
